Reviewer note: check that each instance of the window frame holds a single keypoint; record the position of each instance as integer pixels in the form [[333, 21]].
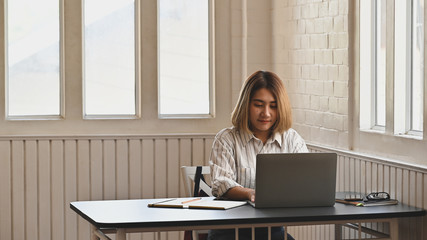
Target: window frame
[[407, 149], [61, 59], [137, 42], [393, 125], [211, 84], [410, 121]]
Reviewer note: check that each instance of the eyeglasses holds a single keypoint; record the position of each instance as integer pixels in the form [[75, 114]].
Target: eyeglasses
[[377, 196]]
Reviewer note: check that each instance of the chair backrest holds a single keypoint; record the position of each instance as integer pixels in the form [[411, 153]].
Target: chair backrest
[[189, 173]]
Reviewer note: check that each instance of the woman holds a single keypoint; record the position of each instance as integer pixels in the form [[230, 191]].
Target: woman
[[262, 122]]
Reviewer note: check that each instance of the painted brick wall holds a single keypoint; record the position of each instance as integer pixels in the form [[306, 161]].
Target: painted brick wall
[[310, 42]]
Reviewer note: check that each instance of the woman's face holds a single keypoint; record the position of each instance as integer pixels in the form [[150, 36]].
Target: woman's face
[[262, 112]]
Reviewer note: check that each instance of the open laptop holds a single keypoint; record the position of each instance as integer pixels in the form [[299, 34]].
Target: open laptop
[[295, 180]]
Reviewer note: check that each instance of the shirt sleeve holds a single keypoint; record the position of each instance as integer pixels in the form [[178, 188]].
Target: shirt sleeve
[[223, 167]]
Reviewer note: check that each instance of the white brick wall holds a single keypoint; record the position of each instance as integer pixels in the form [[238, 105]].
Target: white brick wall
[[315, 45]]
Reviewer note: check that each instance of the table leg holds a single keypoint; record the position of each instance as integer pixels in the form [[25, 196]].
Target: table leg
[[93, 235], [121, 234], [394, 229], [338, 231], [359, 230]]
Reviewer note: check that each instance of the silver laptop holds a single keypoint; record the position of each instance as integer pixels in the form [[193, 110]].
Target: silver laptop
[[295, 180]]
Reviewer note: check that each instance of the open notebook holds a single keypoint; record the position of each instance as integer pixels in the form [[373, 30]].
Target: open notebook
[[197, 202]]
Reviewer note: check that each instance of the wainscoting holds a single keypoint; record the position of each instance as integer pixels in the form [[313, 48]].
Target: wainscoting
[[360, 173], [39, 176]]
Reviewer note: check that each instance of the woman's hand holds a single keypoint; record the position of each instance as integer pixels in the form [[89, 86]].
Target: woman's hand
[[240, 193]]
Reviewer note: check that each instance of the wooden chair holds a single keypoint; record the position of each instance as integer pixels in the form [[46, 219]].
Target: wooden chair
[[189, 175]]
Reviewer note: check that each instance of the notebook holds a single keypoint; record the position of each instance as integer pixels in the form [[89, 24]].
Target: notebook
[[295, 180], [199, 202]]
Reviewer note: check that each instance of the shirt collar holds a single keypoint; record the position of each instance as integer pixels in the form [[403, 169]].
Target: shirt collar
[[246, 136], [278, 138]]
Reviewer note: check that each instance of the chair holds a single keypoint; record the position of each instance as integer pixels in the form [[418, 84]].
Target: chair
[[189, 175]]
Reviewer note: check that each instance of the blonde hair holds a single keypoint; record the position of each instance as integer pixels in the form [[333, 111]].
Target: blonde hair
[[271, 82]]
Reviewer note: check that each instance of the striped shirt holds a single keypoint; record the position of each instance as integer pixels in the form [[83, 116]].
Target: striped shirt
[[233, 156]]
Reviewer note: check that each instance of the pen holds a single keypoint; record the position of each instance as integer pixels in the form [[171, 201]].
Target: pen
[[191, 200], [167, 200]]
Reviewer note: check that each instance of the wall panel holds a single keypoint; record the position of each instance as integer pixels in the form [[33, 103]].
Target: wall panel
[[31, 191], [39, 176], [44, 189]]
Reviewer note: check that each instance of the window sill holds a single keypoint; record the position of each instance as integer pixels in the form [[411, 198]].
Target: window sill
[[410, 135]]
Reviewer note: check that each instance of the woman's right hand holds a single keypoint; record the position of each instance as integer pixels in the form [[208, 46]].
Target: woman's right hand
[[241, 193]]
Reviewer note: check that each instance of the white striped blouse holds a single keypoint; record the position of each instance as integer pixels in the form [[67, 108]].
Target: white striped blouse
[[233, 156]]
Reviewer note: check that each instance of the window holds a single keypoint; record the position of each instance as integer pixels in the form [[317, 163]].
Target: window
[[185, 59], [111, 55], [392, 67], [109, 58], [33, 81], [417, 80]]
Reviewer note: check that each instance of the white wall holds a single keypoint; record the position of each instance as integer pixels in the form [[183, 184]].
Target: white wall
[[315, 50], [310, 40]]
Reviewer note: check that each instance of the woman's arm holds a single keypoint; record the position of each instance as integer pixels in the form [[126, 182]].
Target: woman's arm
[[223, 165]]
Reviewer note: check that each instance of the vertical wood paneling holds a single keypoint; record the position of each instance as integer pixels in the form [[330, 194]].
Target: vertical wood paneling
[[173, 175], [148, 168], [122, 166], [39, 177], [375, 177], [135, 176], [393, 182], [160, 172], [148, 183], [419, 190], [45, 181], [96, 170], [57, 193], [346, 172], [412, 188], [368, 177], [185, 158], [352, 175], [108, 159], [357, 175], [198, 152], [399, 184], [173, 168], [387, 178], [363, 176], [70, 175], [18, 185], [83, 182], [340, 175], [405, 186], [31, 198], [5, 190], [160, 167], [135, 169]]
